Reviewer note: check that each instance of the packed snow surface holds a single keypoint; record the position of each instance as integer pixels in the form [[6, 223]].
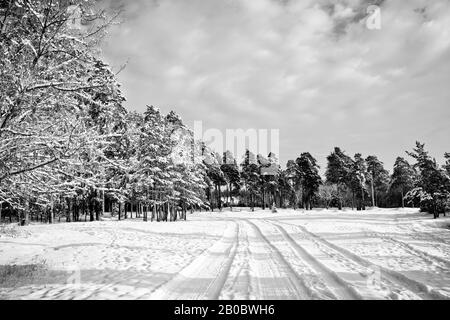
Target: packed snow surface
[[323, 254]]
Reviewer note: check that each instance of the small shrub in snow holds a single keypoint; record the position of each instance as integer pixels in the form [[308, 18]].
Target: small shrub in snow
[[12, 231], [14, 275]]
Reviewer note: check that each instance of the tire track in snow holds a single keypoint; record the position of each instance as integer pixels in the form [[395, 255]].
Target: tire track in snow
[[203, 278], [294, 281], [443, 264], [238, 284], [352, 272], [425, 236], [341, 288], [416, 287]]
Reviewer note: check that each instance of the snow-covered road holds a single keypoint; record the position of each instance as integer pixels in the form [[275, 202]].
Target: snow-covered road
[[378, 254]]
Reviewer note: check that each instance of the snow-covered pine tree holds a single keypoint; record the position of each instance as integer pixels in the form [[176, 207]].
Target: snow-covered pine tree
[[49, 75], [402, 179], [338, 172], [431, 187], [251, 178], [231, 173], [378, 178], [310, 180], [358, 178]]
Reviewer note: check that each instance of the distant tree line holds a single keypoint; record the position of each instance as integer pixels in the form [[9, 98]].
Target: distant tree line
[[356, 182]]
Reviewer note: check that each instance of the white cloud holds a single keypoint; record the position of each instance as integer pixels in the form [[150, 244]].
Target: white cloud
[[294, 65]]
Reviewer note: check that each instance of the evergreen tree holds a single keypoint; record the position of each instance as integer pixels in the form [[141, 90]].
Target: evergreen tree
[[188, 167], [215, 177], [338, 171], [431, 188], [272, 175], [377, 176], [251, 178], [286, 192], [308, 169], [231, 173], [402, 179], [263, 166], [294, 178], [358, 178], [50, 76], [447, 162]]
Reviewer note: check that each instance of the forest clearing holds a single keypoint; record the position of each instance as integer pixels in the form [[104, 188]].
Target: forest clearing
[[319, 254]]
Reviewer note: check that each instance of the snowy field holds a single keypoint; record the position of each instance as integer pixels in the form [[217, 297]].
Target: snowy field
[[377, 254]]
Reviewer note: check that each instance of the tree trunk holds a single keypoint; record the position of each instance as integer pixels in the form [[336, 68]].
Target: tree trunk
[[403, 199], [211, 198], [51, 213], [263, 199], [353, 200], [435, 211], [363, 206], [97, 214], [26, 216], [231, 198], [97, 211], [103, 203], [220, 198], [165, 210], [166, 217], [91, 211], [132, 206], [281, 200], [376, 199], [68, 211], [373, 192], [75, 211]]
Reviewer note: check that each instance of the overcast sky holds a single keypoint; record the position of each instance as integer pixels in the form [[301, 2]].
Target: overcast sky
[[309, 68]]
